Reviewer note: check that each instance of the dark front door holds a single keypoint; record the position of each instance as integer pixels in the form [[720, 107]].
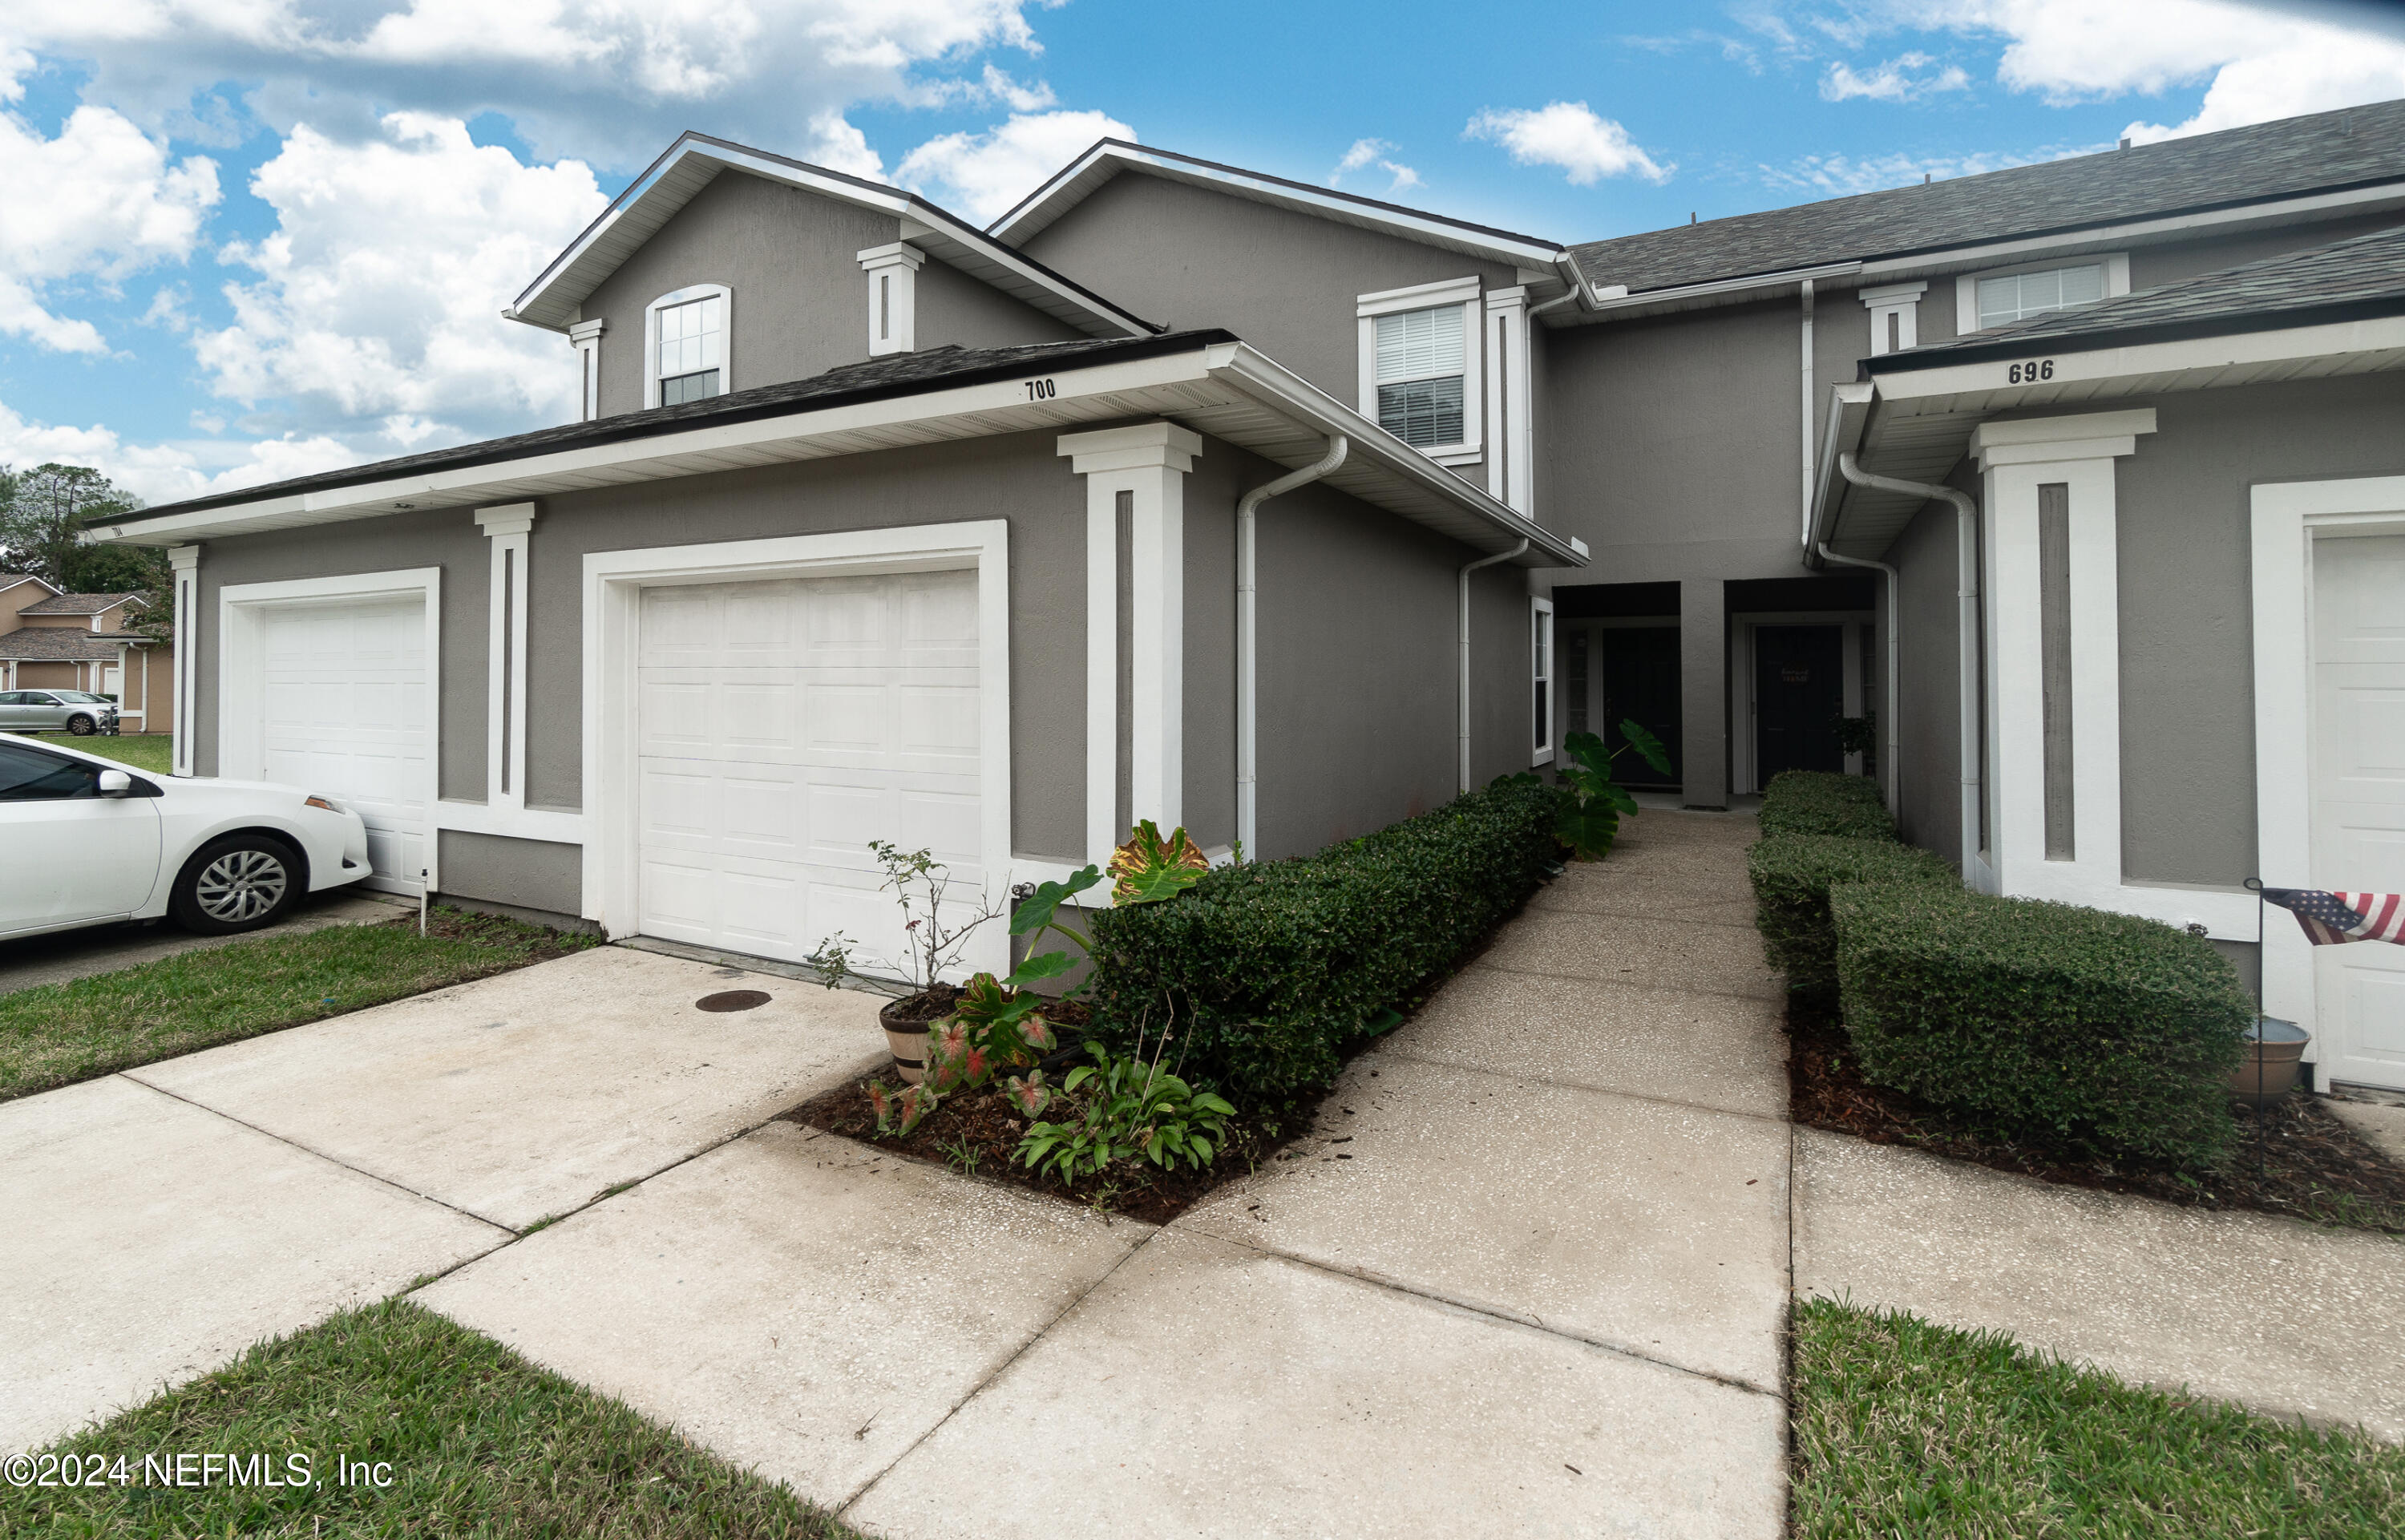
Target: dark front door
[[1799, 692], [1640, 680]]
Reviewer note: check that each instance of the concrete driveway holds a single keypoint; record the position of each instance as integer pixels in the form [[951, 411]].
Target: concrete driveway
[[163, 1219]]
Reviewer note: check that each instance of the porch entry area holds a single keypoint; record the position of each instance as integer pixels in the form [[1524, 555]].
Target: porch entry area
[[1616, 657]]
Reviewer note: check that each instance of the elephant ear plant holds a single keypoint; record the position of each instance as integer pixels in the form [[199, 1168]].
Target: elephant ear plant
[[1593, 800], [998, 1025]]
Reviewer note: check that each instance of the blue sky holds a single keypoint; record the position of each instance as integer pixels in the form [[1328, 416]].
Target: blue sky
[[253, 238]]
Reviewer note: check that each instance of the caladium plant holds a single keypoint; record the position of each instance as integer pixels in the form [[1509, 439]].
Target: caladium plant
[[900, 1111], [1593, 800]]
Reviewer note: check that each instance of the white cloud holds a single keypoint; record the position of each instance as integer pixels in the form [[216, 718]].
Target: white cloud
[[984, 175], [602, 79], [1906, 77], [1568, 134], [379, 293], [100, 200], [164, 473], [1839, 175], [2257, 62], [1374, 151]]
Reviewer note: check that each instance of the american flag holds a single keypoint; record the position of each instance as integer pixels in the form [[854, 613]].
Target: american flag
[[2333, 917]]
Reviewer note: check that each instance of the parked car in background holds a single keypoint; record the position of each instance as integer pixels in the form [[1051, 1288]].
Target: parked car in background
[[84, 840], [78, 712]]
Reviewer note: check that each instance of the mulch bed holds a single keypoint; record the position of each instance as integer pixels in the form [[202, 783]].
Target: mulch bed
[[533, 943], [2294, 1158]]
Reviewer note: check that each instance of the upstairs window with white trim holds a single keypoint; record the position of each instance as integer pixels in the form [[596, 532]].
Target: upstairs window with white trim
[[685, 347], [1420, 366], [1989, 300]]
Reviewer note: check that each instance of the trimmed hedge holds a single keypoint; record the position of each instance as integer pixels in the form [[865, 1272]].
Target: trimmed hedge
[[1819, 803], [2106, 1028], [1269, 970], [1792, 876]]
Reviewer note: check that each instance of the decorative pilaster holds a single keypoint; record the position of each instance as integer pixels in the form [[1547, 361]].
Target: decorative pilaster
[[506, 528], [185, 561]]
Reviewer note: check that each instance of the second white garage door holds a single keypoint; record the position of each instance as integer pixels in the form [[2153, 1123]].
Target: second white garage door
[[781, 725], [347, 711]]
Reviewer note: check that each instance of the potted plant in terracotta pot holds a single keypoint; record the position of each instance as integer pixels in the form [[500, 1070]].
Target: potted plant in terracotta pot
[[935, 931]]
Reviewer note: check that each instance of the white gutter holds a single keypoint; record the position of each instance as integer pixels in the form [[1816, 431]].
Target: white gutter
[[1247, 650], [1890, 770], [1967, 623], [1482, 561]]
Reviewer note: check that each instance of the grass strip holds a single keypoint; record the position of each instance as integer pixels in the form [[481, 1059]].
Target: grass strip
[[54, 1035], [478, 1442], [153, 752], [1905, 1428]]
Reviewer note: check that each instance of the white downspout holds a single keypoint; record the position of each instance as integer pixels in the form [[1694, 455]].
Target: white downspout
[[1247, 652], [1482, 561], [1890, 770], [1805, 373], [1966, 622]]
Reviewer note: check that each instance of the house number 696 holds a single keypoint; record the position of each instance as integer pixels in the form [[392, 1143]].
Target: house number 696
[[1040, 390], [2031, 372]]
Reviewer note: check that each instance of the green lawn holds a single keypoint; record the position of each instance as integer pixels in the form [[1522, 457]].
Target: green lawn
[[151, 752], [478, 1442], [1902, 1428], [53, 1035]]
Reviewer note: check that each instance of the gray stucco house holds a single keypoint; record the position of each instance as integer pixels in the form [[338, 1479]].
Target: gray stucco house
[[1191, 493]]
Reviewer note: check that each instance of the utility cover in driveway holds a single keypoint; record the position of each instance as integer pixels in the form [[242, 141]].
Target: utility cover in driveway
[[783, 725]]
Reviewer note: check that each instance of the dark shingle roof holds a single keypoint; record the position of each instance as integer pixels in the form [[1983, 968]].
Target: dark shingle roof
[[80, 603], [2349, 147], [63, 645], [898, 375], [2348, 279]]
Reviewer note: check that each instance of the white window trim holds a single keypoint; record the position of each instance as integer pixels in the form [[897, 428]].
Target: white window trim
[[586, 337], [893, 277], [613, 585], [1510, 472], [2288, 517], [652, 336], [1903, 302], [1540, 616], [242, 751], [1427, 296], [1966, 287]]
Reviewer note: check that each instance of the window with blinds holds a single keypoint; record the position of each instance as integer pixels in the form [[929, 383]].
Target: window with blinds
[[2017, 295], [691, 351], [1422, 359]]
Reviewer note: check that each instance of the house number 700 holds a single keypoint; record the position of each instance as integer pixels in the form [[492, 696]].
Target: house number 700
[[1040, 389], [2031, 372]]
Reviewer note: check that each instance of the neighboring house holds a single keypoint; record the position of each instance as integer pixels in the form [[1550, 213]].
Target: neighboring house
[[883, 526], [51, 639]]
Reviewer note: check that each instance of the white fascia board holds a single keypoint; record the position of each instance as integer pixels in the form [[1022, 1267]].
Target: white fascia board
[[1991, 380], [1849, 414], [1609, 305], [1267, 381], [1058, 196]]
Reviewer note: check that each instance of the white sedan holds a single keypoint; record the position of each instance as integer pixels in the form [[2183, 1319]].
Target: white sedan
[[84, 840]]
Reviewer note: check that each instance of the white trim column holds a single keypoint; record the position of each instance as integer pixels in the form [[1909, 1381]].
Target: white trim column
[[1511, 437], [506, 528], [586, 337], [186, 562], [893, 296], [1899, 306], [2016, 459], [1149, 462]]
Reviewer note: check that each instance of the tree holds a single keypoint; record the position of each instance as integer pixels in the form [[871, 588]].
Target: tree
[[42, 510]]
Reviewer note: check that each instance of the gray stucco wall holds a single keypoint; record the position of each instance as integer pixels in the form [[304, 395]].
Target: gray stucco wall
[[1219, 477], [447, 538], [800, 302], [1927, 739], [524, 874], [1285, 282]]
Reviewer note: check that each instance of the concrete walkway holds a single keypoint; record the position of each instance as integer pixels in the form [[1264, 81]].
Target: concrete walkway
[[1526, 1276]]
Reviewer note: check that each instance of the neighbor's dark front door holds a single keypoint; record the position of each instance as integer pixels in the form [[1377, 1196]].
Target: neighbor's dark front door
[[1799, 691], [1640, 680]]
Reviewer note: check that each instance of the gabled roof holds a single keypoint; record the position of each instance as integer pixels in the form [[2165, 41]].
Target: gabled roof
[[12, 580], [2354, 148], [65, 644], [2346, 280], [1207, 381], [1111, 157], [83, 603], [696, 160]]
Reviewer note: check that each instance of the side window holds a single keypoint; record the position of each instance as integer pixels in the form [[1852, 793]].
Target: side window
[[1985, 300], [30, 776], [685, 347], [1541, 640]]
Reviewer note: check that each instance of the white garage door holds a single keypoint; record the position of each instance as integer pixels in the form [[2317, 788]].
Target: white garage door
[[2358, 827], [348, 714], [784, 725]]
